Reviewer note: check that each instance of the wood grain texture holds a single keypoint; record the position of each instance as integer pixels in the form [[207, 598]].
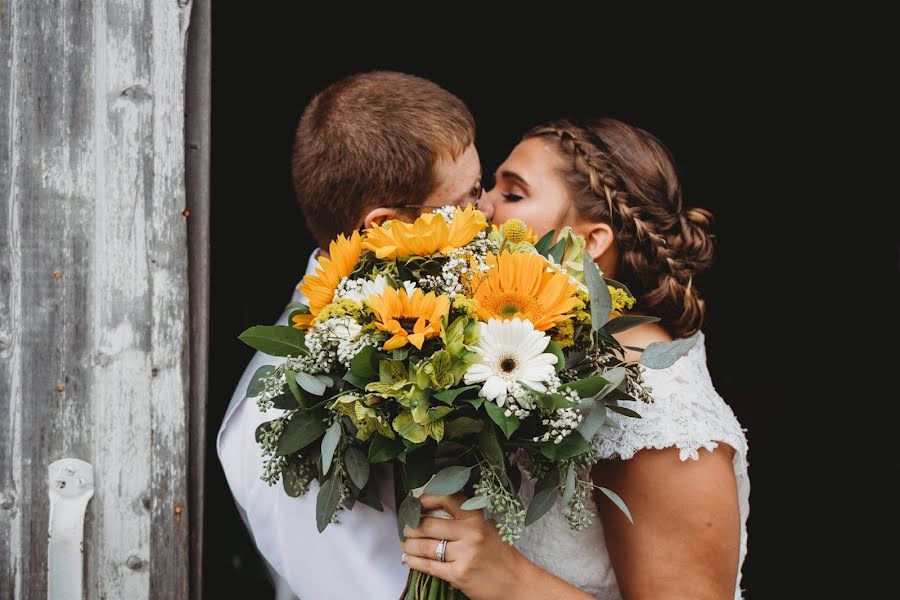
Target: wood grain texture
[[94, 354]]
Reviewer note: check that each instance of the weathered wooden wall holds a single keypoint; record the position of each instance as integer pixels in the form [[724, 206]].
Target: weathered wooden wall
[[94, 328]]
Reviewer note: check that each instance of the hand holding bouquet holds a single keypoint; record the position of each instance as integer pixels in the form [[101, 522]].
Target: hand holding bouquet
[[444, 346]]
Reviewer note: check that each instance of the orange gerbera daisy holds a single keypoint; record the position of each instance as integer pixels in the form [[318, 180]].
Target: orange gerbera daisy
[[519, 285], [319, 288], [428, 234], [412, 319]]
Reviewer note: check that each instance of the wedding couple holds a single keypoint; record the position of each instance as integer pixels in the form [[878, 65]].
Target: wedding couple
[[383, 145]]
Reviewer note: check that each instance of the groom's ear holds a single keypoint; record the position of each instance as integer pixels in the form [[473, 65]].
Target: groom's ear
[[598, 237], [379, 215]]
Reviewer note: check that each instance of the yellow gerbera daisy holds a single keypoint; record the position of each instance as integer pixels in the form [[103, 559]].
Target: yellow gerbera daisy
[[319, 288], [412, 319], [519, 285], [428, 234]]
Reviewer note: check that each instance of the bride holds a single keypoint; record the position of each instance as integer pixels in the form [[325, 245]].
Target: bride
[[682, 468]]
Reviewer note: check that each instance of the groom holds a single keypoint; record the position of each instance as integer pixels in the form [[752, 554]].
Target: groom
[[370, 147]]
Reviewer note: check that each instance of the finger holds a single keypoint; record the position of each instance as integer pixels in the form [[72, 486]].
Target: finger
[[436, 529], [449, 503], [426, 548], [439, 569]]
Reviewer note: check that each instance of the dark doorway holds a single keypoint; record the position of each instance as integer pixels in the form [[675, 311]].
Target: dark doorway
[[725, 128]]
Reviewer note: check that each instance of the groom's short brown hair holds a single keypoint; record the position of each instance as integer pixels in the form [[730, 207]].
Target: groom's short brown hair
[[372, 139]]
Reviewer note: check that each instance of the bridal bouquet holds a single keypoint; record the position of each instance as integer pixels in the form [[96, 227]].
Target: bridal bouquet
[[444, 346]]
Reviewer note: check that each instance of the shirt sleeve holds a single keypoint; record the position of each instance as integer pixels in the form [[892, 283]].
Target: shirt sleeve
[[359, 557]]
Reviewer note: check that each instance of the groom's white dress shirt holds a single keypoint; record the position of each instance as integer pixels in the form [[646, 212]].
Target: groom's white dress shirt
[[356, 558]]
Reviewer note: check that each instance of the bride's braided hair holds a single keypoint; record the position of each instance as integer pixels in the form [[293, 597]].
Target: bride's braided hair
[[624, 176]]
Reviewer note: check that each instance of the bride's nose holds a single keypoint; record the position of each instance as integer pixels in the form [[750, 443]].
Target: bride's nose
[[486, 204]]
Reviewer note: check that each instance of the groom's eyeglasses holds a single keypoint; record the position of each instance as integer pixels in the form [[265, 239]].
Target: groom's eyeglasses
[[473, 198]]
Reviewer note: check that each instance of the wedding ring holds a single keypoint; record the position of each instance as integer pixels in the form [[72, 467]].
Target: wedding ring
[[441, 551]]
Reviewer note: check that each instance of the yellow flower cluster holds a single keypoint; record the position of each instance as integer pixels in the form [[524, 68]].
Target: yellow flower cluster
[[621, 300]]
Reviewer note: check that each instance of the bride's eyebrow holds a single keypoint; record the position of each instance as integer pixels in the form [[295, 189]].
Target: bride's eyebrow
[[512, 175]]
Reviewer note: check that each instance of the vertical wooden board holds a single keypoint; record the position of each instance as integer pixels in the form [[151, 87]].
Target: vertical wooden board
[[10, 484], [167, 236], [93, 361]]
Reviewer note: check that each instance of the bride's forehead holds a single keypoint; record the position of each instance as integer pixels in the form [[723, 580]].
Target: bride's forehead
[[532, 158]]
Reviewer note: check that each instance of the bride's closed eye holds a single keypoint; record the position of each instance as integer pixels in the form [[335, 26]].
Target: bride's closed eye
[[511, 197]]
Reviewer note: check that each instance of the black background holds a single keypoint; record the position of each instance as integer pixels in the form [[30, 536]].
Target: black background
[[738, 124]]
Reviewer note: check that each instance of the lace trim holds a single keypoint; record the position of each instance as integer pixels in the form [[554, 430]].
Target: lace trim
[[687, 413]]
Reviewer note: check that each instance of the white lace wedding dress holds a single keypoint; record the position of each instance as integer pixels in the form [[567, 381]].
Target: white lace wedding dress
[[687, 414]]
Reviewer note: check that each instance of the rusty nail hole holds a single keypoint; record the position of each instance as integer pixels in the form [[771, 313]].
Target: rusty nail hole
[[60, 388], [186, 213], [154, 372], [57, 275], [134, 562], [177, 509]]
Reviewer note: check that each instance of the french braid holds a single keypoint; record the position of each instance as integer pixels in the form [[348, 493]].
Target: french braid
[[624, 176]]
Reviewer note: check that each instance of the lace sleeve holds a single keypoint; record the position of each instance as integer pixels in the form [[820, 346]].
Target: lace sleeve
[[686, 413]]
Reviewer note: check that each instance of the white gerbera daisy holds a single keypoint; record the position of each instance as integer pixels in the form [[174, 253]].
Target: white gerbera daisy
[[360, 289], [512, 353]]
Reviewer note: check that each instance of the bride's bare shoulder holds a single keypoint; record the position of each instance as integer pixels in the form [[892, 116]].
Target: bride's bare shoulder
[[641, 337]]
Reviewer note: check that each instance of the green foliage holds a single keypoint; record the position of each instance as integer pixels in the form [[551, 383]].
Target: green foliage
[[304, 428], [275, 340]]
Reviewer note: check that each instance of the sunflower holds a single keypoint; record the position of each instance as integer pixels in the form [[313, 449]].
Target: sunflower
[[319, 288], [428, 234], [519, 285], [412, 319]]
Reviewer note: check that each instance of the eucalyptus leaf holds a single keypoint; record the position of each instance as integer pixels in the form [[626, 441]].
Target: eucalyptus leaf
[[553, 348], [296, 392], [409, 513], [330, 444], [569, 489], [557, 251], [285, 402], [327, 501], [448, 481], [545, 494], [311, 384], [660, 355], [369, 496], [462, 426], [587, 387], [303, 429], [623, 411], [256, 385], [296, 306], [626, 322], [593, 420], [290, 482], [357, 466], [383, 449], [543, 244], [617, 501], [601, 301], [356, 380], [475, 503], [490, 446], [508, 424], [571, 445], [275, 340]]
